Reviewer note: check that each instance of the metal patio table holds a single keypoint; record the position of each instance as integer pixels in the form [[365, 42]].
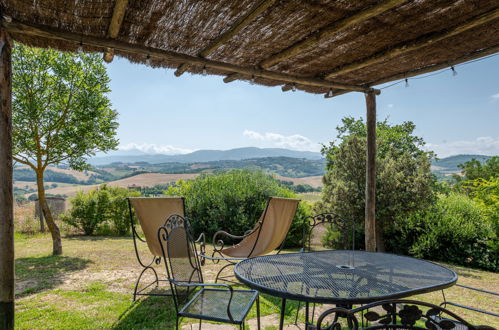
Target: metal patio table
[[341, 277]]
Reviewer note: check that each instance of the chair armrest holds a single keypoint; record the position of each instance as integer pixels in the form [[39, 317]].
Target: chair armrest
[[445, 302], [218, 243], [227, 286], [202, 248]]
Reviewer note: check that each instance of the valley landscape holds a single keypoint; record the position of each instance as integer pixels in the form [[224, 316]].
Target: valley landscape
[[134, 170]]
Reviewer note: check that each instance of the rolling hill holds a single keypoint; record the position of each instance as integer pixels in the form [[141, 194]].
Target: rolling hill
[[206, 156]]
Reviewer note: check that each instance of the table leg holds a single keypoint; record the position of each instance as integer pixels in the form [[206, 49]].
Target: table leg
[[306, 315], [283, 308]]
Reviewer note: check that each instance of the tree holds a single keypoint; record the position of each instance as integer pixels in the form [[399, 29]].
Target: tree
[[61, 114], [403, 179], [474, 169]]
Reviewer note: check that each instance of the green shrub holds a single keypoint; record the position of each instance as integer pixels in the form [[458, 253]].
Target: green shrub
[[454, 230], [233, 201], [87, 210], [104, 210]]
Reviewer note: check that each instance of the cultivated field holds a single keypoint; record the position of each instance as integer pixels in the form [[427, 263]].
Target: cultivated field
[[141, 180], [314, 181], [145, 180]]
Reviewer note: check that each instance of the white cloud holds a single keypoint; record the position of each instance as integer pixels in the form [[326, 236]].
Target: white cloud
[[485, 145], [152, 148], [495, 97], [294, 142], [390, 105]]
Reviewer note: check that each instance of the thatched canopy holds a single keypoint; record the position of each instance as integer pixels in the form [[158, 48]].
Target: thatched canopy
[[313, 45]]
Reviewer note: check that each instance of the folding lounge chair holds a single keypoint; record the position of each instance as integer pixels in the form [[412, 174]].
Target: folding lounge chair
[[267, 235], [152, 213]]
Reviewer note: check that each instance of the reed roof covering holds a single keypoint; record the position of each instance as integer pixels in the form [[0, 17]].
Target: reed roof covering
[[315, 45]]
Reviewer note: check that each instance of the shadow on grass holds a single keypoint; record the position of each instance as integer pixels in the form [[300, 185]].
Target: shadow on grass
[[148, 313], [36, 274], [98, 238]]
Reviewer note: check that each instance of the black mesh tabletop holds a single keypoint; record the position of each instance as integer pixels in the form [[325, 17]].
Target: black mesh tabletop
[[342, 277]]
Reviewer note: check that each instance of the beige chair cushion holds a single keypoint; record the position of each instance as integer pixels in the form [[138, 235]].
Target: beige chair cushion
[[277, 219], [152, 213]]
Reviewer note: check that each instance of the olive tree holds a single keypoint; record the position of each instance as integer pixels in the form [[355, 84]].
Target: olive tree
[[403, 179], [61, 114]]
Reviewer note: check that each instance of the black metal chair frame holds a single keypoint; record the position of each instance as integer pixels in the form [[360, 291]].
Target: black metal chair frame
[[219, 244], [145, 265], [308, 226], [173, 222], [474, 309], [434, 317]]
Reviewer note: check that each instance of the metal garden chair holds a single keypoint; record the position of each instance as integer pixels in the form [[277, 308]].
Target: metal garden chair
[[267, 235], [474, 309], [192, 297], [394, 314], [151, 212]]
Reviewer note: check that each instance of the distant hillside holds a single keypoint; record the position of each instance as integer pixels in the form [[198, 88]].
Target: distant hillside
[[449, 164], [206, 156], [285, 166]]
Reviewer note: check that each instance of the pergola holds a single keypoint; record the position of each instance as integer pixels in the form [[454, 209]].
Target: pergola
[[328, 47]]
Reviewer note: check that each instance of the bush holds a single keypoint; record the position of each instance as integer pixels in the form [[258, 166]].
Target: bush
[[119, 214], [454, 230], [233, 201], [103, 207]]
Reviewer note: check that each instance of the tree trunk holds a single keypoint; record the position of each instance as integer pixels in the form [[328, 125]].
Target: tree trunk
[[44, 208]]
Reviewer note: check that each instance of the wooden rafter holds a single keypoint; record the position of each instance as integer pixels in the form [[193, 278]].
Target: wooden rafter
[[51, 33], [232, 77], [288, 87], [326, 32], [415, 44], [240, 24], [115, 25]]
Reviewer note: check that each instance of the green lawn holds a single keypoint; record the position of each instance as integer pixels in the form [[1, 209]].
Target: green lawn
[[90, 287]]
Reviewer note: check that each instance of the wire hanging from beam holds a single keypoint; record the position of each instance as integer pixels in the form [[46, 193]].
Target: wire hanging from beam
[[451, 68]]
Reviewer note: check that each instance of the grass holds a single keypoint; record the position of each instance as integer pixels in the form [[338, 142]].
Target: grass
[[310, 197], [90, 287]]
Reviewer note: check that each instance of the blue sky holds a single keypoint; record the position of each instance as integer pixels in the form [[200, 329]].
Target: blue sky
[[162, 113]]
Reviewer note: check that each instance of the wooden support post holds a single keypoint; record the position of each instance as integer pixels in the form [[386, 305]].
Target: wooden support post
[[370, 219], [6, 198]]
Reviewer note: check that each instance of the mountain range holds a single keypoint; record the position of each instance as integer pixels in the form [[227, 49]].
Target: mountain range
[[202, 156]]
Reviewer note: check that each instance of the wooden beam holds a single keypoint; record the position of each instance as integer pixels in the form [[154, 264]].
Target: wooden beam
[[240, 24], [51, 33], [326, 32], [439, 66], [181, 69], [108, 55], [117, 18], [6, 194], [288, 87], [370, 209], [232, 77], [115, 25], [415, 44]]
